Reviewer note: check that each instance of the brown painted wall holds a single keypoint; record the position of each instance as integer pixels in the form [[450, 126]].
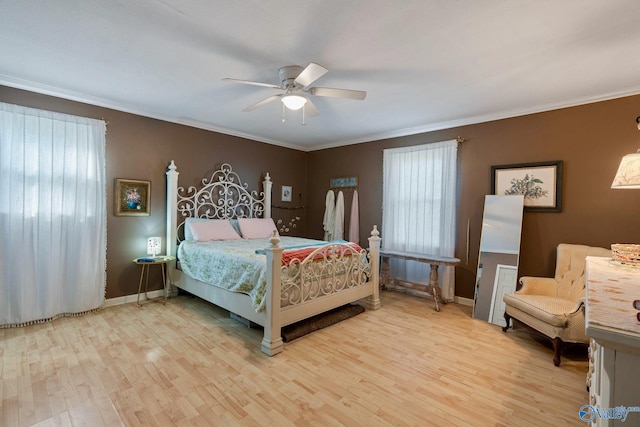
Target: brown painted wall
[[590, 139], [141, 148]]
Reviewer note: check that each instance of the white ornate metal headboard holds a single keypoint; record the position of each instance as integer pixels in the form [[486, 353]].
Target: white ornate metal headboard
[[222, 196]]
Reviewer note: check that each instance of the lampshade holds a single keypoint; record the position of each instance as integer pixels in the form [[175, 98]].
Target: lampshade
[[154, 245], [628, 175], [294, 101]]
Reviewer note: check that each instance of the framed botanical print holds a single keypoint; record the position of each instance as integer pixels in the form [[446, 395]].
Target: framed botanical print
[[540, 184]]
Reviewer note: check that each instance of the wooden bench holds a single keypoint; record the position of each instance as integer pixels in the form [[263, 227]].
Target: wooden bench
[[433, 260]]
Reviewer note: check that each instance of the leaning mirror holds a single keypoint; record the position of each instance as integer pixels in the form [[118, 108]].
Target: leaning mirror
[[499, 254]]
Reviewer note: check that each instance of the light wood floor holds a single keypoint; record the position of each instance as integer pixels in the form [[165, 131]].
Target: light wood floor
[[186, 363]]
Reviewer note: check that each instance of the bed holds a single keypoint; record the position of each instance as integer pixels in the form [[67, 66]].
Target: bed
[[299, 278]]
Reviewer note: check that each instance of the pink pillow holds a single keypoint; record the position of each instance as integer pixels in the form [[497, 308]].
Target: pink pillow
[[256, 228], [220, 229]]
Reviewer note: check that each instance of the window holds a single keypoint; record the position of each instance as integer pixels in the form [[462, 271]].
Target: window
[[52, 214], [419, 191]]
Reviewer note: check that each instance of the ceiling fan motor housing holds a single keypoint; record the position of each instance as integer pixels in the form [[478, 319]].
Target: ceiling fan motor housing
[[288, 74]]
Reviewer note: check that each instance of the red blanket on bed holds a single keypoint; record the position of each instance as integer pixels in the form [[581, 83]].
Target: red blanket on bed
[[289, 255]]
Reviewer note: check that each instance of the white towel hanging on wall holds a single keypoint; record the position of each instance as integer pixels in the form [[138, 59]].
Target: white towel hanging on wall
[[338, 227], [354, 220], [329, 216]]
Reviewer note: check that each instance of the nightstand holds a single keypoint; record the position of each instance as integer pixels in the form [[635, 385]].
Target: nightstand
[[614, 353], [147, 262]]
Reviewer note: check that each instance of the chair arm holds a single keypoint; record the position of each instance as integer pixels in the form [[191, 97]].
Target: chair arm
[[577, 308], [538, 286]]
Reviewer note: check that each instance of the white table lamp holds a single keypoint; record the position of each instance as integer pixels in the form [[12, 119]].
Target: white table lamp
[[154, 245]]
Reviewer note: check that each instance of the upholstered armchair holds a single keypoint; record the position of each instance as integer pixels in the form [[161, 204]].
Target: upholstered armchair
[[555, 306]]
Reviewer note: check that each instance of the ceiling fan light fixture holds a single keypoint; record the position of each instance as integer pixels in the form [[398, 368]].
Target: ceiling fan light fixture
[[294, 101]]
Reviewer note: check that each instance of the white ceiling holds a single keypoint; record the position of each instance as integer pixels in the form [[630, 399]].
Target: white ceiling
[[425, 64]]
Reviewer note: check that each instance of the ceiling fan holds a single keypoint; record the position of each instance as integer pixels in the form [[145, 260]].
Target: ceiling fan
[[295, 81]]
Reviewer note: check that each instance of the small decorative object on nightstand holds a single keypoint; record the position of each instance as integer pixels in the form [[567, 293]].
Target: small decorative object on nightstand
[[154, 245], [146, 262]]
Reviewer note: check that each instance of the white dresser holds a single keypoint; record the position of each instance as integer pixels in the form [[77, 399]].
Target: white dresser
[[614, 353]]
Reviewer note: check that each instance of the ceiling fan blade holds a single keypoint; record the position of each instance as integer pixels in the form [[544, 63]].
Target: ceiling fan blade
[[261, 103], [338, 93], [310, 74], [248, 82], [310, 110]]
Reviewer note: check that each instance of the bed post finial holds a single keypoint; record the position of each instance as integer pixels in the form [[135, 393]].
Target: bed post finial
[[275, 239]]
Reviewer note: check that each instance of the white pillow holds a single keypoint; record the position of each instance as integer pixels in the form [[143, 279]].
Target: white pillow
[[256, 228], [214, 229], [187, 228]]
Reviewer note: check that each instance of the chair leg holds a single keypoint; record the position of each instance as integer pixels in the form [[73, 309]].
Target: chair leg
[[558, 347], [507, 319]]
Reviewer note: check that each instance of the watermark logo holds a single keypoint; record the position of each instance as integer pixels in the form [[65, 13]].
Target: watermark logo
[[589, 413]]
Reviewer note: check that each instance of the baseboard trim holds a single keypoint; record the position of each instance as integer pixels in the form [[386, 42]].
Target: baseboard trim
[[463, 301], [132, 298], [160, 292]]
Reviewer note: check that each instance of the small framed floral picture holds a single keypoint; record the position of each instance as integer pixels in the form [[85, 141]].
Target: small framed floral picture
[[286, 193], [540, 184], [132, 197]]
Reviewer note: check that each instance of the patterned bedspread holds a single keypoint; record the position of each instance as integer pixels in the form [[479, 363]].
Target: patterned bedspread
[[234, 264]]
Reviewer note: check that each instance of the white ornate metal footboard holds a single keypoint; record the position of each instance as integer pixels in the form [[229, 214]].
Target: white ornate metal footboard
[[330, 276], [326, 270]]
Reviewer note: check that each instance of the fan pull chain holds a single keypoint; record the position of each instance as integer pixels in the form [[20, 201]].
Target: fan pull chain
[[283, 109], [303, 109]]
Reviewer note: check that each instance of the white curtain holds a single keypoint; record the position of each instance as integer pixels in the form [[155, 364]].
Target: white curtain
[[419, 208], [52, 215]]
